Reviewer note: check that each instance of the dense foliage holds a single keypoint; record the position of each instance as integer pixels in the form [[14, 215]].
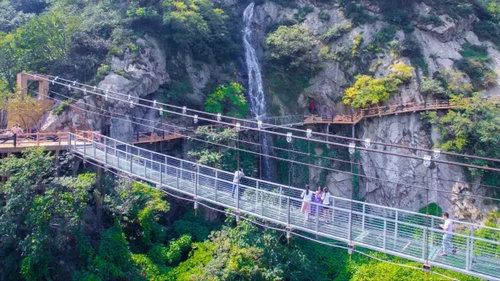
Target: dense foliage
[[293, 47], [228, 100], [369, 91]]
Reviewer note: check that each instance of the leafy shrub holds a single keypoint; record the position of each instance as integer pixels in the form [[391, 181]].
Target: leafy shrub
[[369, 91], [356, 45], [335, 31], [432, 87], [475, 63], [229, 100], [488, 30], [172, 254], [62, 107], [429, 19], [323, 16], [356, 12], [293, 47], [198, 26], [302, 12]]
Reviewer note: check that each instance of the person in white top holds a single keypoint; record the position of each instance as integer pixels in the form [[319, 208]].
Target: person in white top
[[448, 228], [306, 202], [238, 176], [326, 201]]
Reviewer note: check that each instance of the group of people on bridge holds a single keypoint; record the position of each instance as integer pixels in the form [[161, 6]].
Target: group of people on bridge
[[322, 200], [321, 197]]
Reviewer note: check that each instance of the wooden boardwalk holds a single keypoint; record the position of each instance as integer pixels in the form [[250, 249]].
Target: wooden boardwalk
[[391, 109], [49, 140], [150, 137]]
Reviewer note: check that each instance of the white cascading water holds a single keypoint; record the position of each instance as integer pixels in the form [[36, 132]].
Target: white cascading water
[[255, 87]]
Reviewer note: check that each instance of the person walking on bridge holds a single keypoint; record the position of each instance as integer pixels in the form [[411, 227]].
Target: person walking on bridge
[[448, 228], [306, 202], [238, 176]]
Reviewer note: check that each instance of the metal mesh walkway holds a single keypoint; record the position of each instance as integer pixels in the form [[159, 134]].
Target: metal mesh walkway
[[393, 231]]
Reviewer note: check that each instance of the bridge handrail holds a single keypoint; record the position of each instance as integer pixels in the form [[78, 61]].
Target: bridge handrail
[[400, 211], [389, 229]]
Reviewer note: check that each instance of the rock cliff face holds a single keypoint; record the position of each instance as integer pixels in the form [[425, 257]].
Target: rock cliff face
[[440, 47], [142, 73]]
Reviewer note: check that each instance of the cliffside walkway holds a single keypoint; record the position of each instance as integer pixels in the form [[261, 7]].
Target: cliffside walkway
[[391, 109], [389, 230]]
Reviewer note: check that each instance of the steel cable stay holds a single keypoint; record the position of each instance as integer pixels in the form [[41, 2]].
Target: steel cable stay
[[264, 124], [93, 90], [263, 225], [248, 142], [301, 137], [162, 170], [292, 161], [280, 148]]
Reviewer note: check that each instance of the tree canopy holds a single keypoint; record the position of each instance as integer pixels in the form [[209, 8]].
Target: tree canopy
[[369, 91], [293, 47]]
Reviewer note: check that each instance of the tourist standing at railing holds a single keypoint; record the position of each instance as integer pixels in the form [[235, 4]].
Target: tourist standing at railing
[[326, 209], [315, 208], [306, 202], [16, 130], [448, 228], [238, 176]]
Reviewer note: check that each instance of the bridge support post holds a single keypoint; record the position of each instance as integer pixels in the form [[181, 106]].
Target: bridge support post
[[432, 231], [424, 248], [317, 221], [84, 146], [131, 163], [384, 242], [467, 253], [363, 218], [471, 250], [288, 234], [216, 185], [350, 224], [288, 211], [161, 173], [196, 181], [105, 151], [396, 227]]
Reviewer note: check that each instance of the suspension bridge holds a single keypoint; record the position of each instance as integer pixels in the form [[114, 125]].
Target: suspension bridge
[[397, 232]]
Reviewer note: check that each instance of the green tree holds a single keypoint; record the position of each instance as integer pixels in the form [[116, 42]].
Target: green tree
[[228, 100], [293, 47], [198, 26], [139, 206], [39, 215], [368, 91]]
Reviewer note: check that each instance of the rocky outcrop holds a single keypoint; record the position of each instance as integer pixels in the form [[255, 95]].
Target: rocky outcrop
[[141, 74]]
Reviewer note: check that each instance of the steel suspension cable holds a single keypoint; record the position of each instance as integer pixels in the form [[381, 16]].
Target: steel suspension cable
[[293, 161], [72, 84], [274, 147]]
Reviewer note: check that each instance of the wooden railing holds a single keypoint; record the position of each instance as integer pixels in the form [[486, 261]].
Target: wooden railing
[[391, 109]]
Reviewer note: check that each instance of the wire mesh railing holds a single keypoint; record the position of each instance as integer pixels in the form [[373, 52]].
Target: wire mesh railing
[[394, 231]]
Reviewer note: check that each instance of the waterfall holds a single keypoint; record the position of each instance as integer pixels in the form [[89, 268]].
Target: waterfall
[[256, 95]]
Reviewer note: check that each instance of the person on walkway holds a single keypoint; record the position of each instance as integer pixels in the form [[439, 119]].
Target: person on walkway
[[306, 202], [238, 176], [326, 202], [316, 208], [16, 129], [448, 228]]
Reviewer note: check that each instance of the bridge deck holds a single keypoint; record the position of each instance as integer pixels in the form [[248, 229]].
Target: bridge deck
[[391, 109], [393, 231]]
